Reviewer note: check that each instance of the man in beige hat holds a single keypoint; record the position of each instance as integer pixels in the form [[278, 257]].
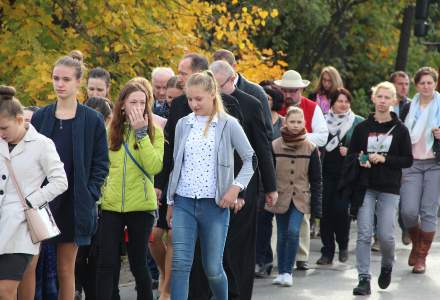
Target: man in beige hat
[[292, 86]]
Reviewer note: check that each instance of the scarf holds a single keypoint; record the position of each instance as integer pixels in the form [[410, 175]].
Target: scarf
[[292, 138], [338, 126], [420, 123]]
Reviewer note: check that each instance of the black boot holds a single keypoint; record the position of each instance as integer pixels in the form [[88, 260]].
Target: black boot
[[324, 260], [363, 287], [343, 255], [385, 277]]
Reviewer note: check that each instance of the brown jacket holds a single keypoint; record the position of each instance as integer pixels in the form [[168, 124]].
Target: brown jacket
[[298, 174]]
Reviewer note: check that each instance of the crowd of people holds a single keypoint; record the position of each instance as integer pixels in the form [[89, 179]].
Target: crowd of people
[[185, 175]]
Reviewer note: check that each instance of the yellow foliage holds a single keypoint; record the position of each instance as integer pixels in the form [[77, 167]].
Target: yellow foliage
[[127, 37]]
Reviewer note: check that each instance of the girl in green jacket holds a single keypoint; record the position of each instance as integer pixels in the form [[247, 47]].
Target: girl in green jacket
[[129, 199]]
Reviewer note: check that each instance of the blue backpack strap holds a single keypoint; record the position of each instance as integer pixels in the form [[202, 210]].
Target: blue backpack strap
[[137, 164]]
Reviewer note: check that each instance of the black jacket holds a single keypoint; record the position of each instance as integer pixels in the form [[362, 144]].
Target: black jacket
[[179, 109], [352, 186], [258, 92], [254, 129], [397, 150]]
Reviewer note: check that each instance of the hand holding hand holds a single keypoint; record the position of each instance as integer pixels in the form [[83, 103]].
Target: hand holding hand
[[230, 198], [271, 198], [170, 216], [238, 205], [158, 196], [137, 118]]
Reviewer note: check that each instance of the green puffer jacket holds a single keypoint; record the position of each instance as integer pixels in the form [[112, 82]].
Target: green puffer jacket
[[126, 188]]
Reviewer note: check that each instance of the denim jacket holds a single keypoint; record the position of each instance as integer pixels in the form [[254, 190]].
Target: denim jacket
[[229, 136]]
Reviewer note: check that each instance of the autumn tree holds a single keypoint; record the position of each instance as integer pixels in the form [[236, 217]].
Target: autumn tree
[[127, 37]]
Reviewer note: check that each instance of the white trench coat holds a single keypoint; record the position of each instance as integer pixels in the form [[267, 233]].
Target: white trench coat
[[33, 159]]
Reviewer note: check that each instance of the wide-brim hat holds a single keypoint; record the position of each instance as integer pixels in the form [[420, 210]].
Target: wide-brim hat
[[292, 80]]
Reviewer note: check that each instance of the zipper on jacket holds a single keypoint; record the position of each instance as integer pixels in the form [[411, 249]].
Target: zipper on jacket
[[145, 187], [123, 181]]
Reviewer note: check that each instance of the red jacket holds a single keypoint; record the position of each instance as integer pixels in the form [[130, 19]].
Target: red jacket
[[308, 106]]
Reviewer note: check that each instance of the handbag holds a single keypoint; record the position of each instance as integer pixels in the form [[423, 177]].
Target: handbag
[[40, 221]]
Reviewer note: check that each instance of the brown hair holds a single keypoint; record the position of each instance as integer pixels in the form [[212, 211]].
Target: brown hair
[[9, 105], [199, 62], [396, 74], [73, 60], [226, 55], [425, 71], [335, 78], [341, 91], [117, 124], [147, 86], [174, 82]]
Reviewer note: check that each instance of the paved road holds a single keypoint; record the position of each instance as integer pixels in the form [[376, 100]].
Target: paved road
[[336, 282]]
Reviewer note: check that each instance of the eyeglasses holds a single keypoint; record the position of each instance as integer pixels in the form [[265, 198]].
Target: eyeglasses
[[226, 81]]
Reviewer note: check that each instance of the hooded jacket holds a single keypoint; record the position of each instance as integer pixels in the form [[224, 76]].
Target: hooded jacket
[[383, 177]]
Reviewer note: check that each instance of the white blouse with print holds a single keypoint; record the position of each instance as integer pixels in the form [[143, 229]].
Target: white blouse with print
[[198, 175]]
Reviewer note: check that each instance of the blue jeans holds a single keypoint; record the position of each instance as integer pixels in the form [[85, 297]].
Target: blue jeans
[[203, 219], [288, 228]]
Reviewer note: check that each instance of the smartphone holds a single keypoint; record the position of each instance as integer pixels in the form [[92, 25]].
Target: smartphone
[[363, 158]]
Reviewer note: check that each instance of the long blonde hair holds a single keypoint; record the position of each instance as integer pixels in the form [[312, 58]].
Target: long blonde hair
[[207, 82]]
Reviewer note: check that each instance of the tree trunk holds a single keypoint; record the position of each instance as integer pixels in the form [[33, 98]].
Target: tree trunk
[[405, 34]]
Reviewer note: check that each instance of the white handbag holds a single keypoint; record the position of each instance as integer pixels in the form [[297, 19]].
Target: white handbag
[[41, 223]]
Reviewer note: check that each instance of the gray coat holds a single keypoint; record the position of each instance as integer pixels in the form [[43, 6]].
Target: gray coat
[[229, 136]]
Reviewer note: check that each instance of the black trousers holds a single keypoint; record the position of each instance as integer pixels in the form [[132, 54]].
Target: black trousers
[[335, 221], [239, 254], [264, 252], [85, 271], [139, 226]]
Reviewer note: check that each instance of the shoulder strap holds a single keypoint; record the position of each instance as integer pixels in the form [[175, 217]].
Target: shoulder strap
[[137, 163], [15, 182], [384, 137]]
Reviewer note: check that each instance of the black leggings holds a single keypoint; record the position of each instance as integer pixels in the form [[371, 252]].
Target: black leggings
[[139, 225]]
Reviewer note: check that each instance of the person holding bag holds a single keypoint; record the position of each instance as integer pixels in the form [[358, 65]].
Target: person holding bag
[[27, 158], [129, 199], [382, 146]]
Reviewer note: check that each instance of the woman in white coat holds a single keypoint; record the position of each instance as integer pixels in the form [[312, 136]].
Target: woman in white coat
[[33, 158]]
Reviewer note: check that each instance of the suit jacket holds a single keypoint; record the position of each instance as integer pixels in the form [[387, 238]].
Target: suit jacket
[[256, 133], [258, 92], [179, 109]]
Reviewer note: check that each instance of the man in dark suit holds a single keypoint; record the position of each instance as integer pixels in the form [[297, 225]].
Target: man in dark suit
[[241, 241], [248, 87]]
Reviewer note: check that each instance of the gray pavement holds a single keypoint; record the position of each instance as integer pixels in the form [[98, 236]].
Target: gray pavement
[[337, 281]]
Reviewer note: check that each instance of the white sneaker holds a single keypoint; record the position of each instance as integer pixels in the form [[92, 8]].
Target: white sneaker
[[287, 280], [278, 280]]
